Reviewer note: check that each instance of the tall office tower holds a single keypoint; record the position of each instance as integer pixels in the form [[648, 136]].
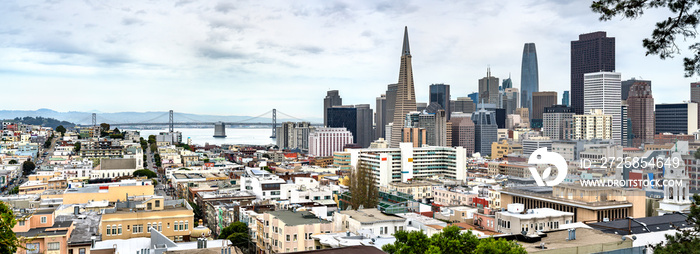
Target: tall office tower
[[364, 125], [332, 99], [452, 106], [625, 124], [485, 131], [510, 100], [602, 91], [488, 88], [529, 77], [627, 84], [414, 135], [380, 117], [440, 93], [556, 122], [507, 83], [676, 118], [695, 95], [405, 94], [474, 97], [464, 105], [640, 110], [565, 99], [463, 131], [524, 114], [541, 100], [593, 52], [391, 90], [343, 116]]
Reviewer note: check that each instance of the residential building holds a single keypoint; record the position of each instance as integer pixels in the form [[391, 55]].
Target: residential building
[[517, 220], [595, 125], [262, 184], [557, 122], [500, 149], [43, 233], [138, 215], [529, 76], [290, 231], [592, 52], [407, 162], [368, 219], [293, 135], [676, 118], [325, 141], [420, 190], [405, 93]]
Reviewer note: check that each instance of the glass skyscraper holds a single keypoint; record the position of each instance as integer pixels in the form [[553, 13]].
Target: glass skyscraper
[[528, 75], [440, 93]]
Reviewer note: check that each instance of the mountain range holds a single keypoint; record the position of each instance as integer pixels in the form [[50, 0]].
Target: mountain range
[[85, 118]]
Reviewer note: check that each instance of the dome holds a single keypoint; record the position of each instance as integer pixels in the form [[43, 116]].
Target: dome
[[200, 231]]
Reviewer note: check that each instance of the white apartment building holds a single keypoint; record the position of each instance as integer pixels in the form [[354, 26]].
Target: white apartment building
[[324, 141], [262, 183], [407, 162], [602, 90], [595, 125], [369, 219]]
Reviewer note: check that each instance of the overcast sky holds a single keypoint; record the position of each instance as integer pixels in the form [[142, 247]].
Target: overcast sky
[[247, 57]]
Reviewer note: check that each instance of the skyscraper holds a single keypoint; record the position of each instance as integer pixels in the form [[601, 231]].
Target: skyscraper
[[332, 99], [627, 84], [593, 52], [343, 116], [440, 93], [695, 96], [485, 131], [528, 75], [541, 100], [390, 104], [380, 117], [488, 89], [463, 131], [565, 99], [602, 91], [557, 121], [676, 118], [405, 94], [475, 98], [507, 83], [510, 100], [364, 125], [640, 109], [464, 105]]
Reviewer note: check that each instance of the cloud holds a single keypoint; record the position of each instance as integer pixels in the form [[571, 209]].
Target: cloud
[[132, 21], [224, 7], [218, 53]]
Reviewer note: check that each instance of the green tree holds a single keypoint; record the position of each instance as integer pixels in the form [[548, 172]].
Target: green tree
[[686, 240], [236, 227], [362, 188], [28, 167], [197, 211], [13, 162], [104, 127], [14, 190], [9, 243], [61, 129], [697, 154], [450, 241], [116, 131], [77, 147], [681, 24], [145, 172], [152, 139]]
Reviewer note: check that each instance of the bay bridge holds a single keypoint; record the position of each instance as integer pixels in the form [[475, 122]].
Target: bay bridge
[[219, 126]]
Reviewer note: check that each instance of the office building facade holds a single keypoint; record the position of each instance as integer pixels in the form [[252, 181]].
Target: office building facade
[[488, 89], [405, 93], [541, 100], [529, 76], [592, 52], [440, 94], [332, 99], [557, 122], [602, 91], [325, 141], [485, 131], [676, 118]]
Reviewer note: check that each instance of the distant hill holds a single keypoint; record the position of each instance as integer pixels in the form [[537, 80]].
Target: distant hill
[[46, 122], [85, 118]]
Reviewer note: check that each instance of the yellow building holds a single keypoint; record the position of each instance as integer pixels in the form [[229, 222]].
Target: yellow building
[[342, 160], [500, 149], [136, 217], [111, 192]]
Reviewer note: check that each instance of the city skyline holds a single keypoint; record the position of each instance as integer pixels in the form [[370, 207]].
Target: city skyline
[[227, 59]]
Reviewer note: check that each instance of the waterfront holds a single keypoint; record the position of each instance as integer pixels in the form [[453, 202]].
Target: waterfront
[[202, 136]]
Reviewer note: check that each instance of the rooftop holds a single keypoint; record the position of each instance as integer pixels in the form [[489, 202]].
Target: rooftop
[[370, 215], [537, 213], [107, 164], [292, 218], [558, 240], [643, 225]]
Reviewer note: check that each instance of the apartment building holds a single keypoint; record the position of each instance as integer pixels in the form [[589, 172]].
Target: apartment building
[[371, 219], [137, 216], [288, 231], [517, 220]]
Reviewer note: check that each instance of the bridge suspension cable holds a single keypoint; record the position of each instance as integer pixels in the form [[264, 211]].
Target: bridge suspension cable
[[261, 115], [153, 119], [282, 113]]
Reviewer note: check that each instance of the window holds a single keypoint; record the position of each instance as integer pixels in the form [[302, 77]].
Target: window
[[175, 227], [160, 226], [21, 223], [43, 219], [295, 237], [33, 248], [54, 246], [149, 206], [148, 227], [182, 226], [114, 229], [187, 224], [81, 251], [138, 228], [287, 238], [109, 230], [381, 230], [119, 229], [157, 203]]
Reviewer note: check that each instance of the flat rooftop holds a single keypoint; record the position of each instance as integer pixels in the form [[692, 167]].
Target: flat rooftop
[[558, 240], [370, 215], [537, 213], [297, 218]]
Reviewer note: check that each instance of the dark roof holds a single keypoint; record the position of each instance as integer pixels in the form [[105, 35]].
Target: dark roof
[[107, 164], [347, 250], [643, 225]]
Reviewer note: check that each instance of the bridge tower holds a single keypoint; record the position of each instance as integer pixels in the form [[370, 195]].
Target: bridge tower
[[274, 123], [95, 130], [170, 123], [220, 130]]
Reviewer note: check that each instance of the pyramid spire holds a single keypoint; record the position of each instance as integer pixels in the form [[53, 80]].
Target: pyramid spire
[[406, 49]]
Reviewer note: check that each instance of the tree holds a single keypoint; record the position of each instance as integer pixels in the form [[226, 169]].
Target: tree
[[104, 127], [116, 131], [145, 172], [364, 192], [77, 147], [12, 162], [237, 233], [688, 239], [236, 227], [697, 154], [449, 241], [14, 190], [28, 167], [680, 25], [9, 243], [61, 129]]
